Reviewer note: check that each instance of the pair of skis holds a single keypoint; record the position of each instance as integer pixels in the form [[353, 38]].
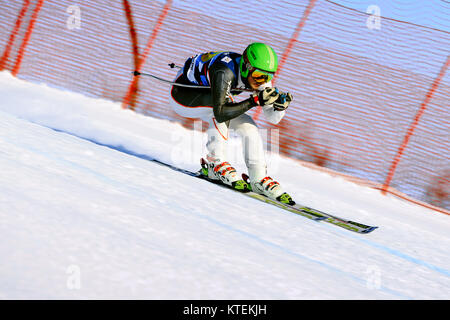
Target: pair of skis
[[298, 209]]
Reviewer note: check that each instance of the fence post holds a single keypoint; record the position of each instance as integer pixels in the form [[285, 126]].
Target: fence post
[[26, 38], [140, 63], [13, 35], [290, 45], [134, 46], [413, 126]]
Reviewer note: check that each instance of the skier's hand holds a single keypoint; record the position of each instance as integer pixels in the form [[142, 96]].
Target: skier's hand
[[283, 101], [266, 96]]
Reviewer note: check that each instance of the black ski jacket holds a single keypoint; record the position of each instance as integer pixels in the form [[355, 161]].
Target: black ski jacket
[[223, 72]]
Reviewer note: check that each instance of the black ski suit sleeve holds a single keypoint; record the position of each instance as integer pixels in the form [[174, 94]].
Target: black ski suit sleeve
[[222, 79]]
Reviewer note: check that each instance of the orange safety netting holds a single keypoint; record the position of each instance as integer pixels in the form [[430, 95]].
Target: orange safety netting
[[371, 102]]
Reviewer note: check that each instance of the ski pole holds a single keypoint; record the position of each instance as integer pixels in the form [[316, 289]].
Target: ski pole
[[173, 65], [137, 73]]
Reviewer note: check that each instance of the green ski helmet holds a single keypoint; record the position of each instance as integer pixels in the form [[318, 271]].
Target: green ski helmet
[[260, 61]]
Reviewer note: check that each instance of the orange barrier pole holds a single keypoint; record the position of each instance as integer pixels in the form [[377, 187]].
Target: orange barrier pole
[[144, 55], [413, 126], [290, 45], [26, 38], [13, 35], [134, 45]]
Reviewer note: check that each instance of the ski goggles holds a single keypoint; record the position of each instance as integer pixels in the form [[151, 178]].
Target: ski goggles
[[261, 76]]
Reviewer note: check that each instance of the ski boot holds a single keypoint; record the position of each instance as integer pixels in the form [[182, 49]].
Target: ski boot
[[224, 173], [269, 188]]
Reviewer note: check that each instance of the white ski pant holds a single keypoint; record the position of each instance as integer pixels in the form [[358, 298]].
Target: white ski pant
[[218, 134]]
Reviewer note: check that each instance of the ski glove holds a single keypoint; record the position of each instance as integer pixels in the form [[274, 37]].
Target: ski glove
[[283, 101], [265, 97]]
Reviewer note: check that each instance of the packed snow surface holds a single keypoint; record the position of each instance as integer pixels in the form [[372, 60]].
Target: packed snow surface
[[86, 214]]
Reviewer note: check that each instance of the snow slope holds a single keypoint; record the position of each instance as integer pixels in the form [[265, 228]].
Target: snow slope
[[86, 214]]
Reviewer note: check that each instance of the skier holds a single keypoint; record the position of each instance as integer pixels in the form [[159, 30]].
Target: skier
[[225, 72]]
